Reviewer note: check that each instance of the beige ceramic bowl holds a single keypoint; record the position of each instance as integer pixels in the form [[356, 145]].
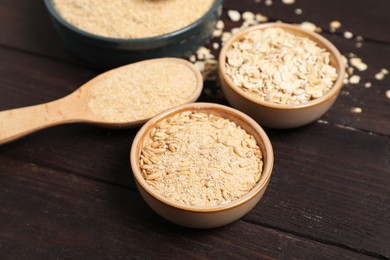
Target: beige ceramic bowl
[[279, 115], [212, 216]]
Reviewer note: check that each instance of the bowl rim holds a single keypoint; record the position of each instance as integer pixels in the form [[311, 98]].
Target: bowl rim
[[199, 106], [291, 28], [58, 17]]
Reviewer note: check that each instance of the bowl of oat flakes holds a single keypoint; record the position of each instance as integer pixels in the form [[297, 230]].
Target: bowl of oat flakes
[[281, 75], [108, 34], [202, 165]]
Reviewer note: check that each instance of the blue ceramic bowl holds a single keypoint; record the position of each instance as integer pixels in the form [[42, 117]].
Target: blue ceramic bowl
[[106, 52]]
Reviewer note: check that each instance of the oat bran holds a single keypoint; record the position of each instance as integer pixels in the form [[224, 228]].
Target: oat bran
[[129, 19], [142, 90]]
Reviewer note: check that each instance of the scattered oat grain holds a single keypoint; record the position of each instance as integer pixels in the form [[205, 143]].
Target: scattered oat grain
[[192, 58], [204, 53], [298, 11], [348, 35], [268, 2], [354, 79], [248, 16], [388, 93], [261, 18], [350, 71], [356, 110], [234, 15], [288, 2], [379, 76], [218, 29], [217, 33], [358, 63], [220, 25]]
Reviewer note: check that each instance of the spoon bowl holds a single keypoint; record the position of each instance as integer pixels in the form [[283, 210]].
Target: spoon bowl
[[74, 108]]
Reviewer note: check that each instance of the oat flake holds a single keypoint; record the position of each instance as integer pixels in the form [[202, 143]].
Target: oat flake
[[388, 94], [354, 79], [276, 66], [348, 35], [234, 15], [298, 11], [356, 110]]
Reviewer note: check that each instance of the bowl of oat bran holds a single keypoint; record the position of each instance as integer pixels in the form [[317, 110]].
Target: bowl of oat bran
[[108, 34], [281, 75], [202, 165]]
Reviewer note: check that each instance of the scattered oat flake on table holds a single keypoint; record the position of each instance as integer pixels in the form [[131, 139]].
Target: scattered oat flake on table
[[348, 35], [358, 45], [350, 71], [234, 15], [388, 94], [308, 26], [288, 2], [204, 53], [355, 79], [345, 60], [379, 76], [248, 16], [217, 33], [192, 58], [268, 2], [220, 24], [356, 110], [202, 159], [335, 25], [218, 29], [358, 63], [298, 11], [261, 18], [367, 85], [359, 38], [281, 69], [118, 19], [133, 92]]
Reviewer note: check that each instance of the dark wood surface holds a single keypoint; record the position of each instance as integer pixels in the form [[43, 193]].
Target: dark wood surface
[[68, 193]]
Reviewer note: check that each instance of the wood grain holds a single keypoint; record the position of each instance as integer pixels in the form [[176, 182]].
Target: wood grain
[[102, 221]]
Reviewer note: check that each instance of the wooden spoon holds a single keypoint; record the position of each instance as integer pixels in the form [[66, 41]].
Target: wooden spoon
[[73, 108]]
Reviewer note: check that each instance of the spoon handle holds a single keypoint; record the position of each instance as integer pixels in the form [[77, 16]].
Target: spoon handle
[[16, 123]]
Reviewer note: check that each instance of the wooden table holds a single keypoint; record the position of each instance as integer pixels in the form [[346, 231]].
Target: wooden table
[[68, 193]]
